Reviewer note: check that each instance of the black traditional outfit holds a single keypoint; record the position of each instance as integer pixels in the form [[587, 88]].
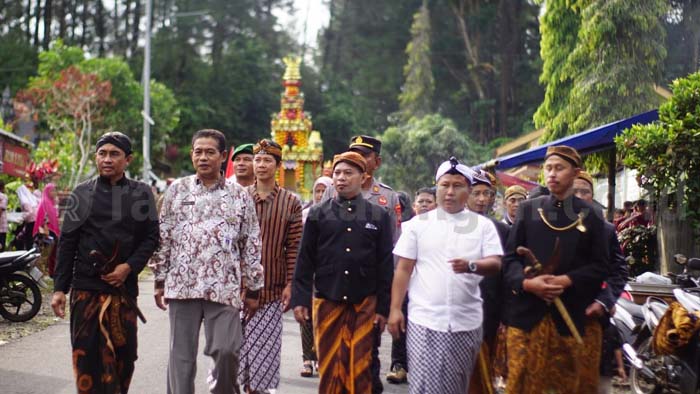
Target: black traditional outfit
[[104, 217], [346, 255], [542, 354]]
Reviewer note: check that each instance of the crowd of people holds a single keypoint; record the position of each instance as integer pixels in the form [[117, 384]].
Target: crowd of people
[[468, 299]]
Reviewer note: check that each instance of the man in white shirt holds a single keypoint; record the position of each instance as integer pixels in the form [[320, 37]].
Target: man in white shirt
[[443, 253]]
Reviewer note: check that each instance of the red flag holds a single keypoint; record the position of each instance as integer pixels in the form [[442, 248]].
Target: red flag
[[229, 163]]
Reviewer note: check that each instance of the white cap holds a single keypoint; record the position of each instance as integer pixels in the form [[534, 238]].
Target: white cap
[[448, 165]]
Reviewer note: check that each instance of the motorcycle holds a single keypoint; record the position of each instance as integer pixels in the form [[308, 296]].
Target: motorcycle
[[657, 373], [20, 296]]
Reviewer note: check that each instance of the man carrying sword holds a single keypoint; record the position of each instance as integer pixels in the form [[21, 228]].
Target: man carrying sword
[[547, 313], [109, 215]]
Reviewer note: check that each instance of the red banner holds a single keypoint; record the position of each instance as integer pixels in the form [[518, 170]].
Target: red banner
[[15, 159]]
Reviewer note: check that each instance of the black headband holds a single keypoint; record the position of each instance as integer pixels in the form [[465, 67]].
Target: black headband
[[117, 139]]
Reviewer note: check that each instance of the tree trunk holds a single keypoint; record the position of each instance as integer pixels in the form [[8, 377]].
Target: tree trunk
[[470, 50], [48, 15], [509, 10], [62, 23], [37, 22], [127, 28], [27, 19], [73, 19], [100, 28], [84, 16], [135, 27]]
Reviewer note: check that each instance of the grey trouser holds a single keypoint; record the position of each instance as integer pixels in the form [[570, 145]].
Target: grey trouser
[[222, 332]]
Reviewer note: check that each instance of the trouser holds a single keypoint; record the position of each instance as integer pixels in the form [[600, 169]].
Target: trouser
[[223, 336], [375, 367], [398, 346]]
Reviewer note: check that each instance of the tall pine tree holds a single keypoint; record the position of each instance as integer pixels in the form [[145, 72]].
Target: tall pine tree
[[416, 95]]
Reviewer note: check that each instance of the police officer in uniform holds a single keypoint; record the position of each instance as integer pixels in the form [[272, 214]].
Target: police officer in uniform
[[384, 196]]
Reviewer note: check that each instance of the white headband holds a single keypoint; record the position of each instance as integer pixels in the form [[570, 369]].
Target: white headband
[[448, 165]]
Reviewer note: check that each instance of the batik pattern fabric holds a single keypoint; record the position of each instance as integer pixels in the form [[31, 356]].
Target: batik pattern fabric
[[103, 338], [344, 335], [209, 242], [592, 353], [543, 361], [483, 375], [261, 351], [440, 362]]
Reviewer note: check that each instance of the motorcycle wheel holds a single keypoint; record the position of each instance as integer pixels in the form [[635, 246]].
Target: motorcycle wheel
[[639, 384], [20, 298]]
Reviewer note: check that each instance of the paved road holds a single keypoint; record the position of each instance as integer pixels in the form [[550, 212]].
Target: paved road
[[41, 363]]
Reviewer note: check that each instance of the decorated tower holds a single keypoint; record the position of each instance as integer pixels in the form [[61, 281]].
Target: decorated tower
[[302, 148]]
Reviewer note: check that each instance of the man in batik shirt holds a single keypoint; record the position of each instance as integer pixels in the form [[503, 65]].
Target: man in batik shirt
[[209, 244]]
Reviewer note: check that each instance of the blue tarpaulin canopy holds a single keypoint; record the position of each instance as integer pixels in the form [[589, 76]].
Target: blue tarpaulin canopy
[[591, 141]]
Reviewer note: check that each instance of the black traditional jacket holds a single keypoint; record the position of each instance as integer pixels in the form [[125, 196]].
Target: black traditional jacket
[[584, 258], [345, 254], [99, 216]]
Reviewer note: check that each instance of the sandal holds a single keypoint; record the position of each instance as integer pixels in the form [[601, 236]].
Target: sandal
[[307, 369]]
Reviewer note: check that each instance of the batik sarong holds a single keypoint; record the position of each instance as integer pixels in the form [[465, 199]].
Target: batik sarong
[[344, 335], [103, 338], [592, 350], [542, 361], [483, 376], [261, 351], [440, 362]]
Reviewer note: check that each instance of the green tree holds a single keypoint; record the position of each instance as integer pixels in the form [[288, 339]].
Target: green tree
[[18, 61], [666, 157], [559, 28], [425, 143], [416, 96], [120, 110], [618, 59]]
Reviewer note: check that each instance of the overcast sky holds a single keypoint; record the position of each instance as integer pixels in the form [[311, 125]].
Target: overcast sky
[[313, 12]]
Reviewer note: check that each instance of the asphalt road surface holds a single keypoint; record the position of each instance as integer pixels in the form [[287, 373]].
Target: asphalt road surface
[[41, 363]]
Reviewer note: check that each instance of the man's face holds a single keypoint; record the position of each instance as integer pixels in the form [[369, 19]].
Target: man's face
[[583, 190], [424, 202], [479, 199], [373, 161], [111, 161], [559, 174], [243, 165], [206, 157], [452, 192], [264, 166], [347, 179], [512, 204]]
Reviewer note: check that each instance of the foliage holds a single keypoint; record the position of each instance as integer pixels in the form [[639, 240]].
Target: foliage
[[639, 242], [425, 143], [18, 61], [417, 92], [665, 153], [616, 62], [60, 147], [74, 103], [559, 27], [65, 82]]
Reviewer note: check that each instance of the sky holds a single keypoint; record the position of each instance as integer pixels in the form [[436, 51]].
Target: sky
[[313, 12]]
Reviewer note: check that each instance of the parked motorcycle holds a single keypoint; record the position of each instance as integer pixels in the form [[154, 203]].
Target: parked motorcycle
[[20, 296], [658, 373]]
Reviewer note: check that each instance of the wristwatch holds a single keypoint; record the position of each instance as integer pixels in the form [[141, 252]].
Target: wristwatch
[[472, 266]]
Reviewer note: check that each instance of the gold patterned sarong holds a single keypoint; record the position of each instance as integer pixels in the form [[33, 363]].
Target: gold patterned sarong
[[592, 351], [344, 337], [542, 361]]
